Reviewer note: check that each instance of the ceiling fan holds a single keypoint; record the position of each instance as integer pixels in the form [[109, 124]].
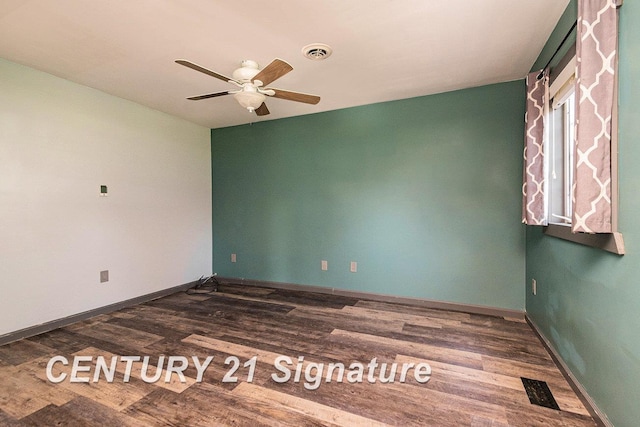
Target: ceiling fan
[[252, 85]]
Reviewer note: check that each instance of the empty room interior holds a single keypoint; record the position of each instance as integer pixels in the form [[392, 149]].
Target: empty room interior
[[319, 213]]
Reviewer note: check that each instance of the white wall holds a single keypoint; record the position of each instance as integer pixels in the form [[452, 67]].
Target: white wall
[[59, 142]]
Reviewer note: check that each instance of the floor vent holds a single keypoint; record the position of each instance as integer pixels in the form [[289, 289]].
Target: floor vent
[[539, 393]]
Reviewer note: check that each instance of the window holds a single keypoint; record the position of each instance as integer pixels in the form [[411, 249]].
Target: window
[[560, 141], [560, 188]]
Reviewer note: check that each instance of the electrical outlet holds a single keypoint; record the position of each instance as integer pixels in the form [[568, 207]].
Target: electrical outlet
[[104, 276], [324, 265], [233, 257], [534, 286], [354, 267]]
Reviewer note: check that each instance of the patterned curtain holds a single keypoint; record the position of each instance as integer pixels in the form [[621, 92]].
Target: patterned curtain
[[533, 187], [596, 55]]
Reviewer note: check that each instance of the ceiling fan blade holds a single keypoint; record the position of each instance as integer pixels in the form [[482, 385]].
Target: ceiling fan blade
[[295, 96], [262, 110], [204, 70], [276, 69], [207, 96]]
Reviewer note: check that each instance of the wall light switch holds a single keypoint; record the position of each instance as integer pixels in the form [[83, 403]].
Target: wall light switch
[[354, 267], [324, 265], [233, 257], [104, 276], [103, 190]]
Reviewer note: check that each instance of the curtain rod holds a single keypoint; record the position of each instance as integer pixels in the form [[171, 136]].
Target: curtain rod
[[557, 50]]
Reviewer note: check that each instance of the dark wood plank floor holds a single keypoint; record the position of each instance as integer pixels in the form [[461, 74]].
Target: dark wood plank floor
[[476, 366]]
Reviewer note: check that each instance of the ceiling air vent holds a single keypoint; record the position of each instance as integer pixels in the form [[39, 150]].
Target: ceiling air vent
[[317, 51]]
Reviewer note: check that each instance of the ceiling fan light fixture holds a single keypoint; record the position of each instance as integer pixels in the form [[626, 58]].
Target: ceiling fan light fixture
[[249, 99], [317, 51]]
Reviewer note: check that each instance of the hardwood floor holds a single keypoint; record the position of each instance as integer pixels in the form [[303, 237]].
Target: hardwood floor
[[476, 364]]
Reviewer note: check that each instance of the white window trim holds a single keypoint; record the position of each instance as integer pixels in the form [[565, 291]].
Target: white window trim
[[561, 88]]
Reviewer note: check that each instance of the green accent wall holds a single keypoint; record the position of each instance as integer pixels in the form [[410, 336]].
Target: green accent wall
[[423, 193], [588, 301]]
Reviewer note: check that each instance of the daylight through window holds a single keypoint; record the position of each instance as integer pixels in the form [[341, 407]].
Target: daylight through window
[[560, 141]]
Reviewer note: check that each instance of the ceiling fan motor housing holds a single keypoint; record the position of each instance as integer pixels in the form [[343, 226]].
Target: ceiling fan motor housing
[[246, 72]]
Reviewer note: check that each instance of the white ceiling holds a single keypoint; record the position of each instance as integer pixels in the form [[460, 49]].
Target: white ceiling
[[382, 49]]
